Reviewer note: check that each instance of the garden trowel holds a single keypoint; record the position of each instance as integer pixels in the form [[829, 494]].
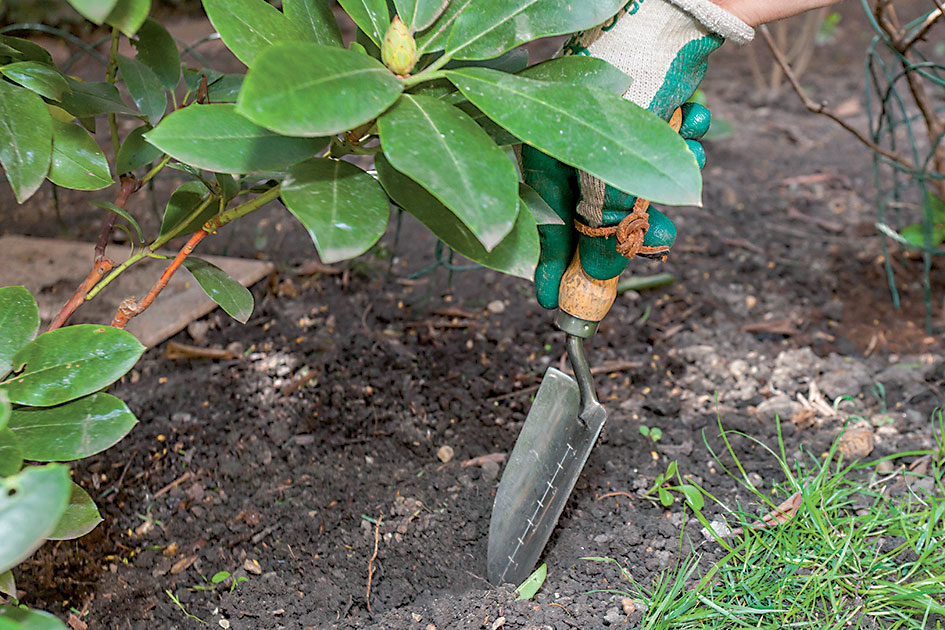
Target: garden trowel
[[556, 439]]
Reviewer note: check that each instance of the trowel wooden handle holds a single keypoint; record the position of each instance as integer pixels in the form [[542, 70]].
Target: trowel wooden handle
[[585, 297]]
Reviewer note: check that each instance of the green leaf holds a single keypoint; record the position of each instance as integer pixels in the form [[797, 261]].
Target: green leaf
[[27, 619], [693, 497], [315, 19], [306, 89], [915, 234], [107, 205], [129, 15], [11, 455], [226, 89], [419, 14], [529, 588], [248, 27], [538, 207], [580, 70], [936, 208], [179, 215], [136, 152], [5, 409], [77, 161], [94, 10], [92, 98], [158, 50], [74, 430], [81, 516], [435, 38], [70, 362], [516, 255], [445, 151], [19, 323], [216, 138], [31, 504], [498, 25], [37, 77], [193, 76], [371, 16], [25, 50], [145, 88], [666, 499], [670, 470], [232, 296], [7, 584], [229, 187], [499, 135], [598, 132], [514, 60], [25, 139], [718, 130], [343, 208], [220, 576]]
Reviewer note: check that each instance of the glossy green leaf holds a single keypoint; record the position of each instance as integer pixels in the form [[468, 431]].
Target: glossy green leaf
[[81, 516], [516, 255], [136, 152], [8, 584], [306, 89], [31, 504], [37, 77], [343, 208], [499, 134], [693, 497], [129, 15], [11, 455], [25, 50], [74, 430], [435, 38], [193, 76], [371, 16], [5, 409], [93, 98], [498, 25], [442, 148], [94, 10], [183, 214], [580, 70], [915, 234], [666, 499], [538, 207], [229, 187], [19, 323], [108, 205], [25, 139], [613, 139], [226, 89], [420, 14], [77, 161], [514, 60], [23, 618], [70, 362], [315, 19], [529, 588], [145, 88], [248, 27], [217, 138], [158, 50], [232, 296]]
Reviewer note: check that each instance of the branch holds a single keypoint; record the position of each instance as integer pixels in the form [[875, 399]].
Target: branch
[[823, 110], [101, 267], [128, 186], [930, 20]]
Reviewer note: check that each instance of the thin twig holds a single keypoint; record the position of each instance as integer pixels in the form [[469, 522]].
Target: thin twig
[[822, 109], [930, 20], [370, 570], [613, 494], [173, 484]]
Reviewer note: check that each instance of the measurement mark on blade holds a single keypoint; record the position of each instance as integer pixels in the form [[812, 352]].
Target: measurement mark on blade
[[536, 518]]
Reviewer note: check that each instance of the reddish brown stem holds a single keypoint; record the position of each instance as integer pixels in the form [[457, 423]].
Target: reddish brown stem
[[129, 308], [128, 186], [101, 267]]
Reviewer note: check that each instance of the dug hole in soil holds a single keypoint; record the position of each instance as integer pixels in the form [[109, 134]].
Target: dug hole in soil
[[339, 440]]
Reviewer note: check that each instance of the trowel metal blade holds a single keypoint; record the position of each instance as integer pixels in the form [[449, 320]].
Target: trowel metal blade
[[545, 464]]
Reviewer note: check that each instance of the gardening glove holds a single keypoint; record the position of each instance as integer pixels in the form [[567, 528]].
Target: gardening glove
[[663, 45]]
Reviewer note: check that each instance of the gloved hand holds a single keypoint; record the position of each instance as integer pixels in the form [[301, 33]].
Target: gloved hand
[[663, 45]]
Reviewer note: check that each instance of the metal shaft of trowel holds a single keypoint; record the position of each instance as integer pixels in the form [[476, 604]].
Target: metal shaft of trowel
[[582, 374]]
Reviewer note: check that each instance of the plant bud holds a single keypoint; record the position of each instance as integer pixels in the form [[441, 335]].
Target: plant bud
[[399, 49]]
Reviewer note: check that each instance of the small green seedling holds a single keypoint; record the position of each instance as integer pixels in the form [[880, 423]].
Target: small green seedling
[[662, 489], [532, 583], [654, 433]]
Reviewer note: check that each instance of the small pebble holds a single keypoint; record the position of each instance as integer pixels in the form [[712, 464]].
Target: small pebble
[[498, 623], [224, 623], [252, 566], [884, 467], [755, 480], [629, 606], [444, 453], [496, 306], [490, 470]]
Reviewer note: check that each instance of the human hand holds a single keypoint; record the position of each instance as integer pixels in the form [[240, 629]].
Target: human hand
[[757, 12]]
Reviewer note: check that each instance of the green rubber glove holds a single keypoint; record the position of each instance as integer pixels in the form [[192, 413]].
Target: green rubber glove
[[663, 45]]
